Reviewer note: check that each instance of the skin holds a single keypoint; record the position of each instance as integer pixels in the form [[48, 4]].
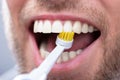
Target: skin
[[103, 62]]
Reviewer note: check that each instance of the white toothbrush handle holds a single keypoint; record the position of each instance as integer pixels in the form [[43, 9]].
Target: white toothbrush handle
[[42, 71], [47, 64]]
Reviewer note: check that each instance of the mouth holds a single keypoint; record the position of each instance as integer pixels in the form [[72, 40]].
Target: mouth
[[44, 30]]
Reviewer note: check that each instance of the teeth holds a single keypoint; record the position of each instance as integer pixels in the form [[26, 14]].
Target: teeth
[[85, 28], [90, 29], [79, 51], [47, 26], [43, 52], [77, 27], [58, 26], [72, 54], [36, 27], [65, 56], [40, 25], [68, 26]]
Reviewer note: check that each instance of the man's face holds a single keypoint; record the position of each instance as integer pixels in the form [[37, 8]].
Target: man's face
[[33, 26]]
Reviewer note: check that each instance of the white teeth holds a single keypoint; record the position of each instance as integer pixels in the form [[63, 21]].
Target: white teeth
[[47, 26], [40, 25], [79, 51], [57, 26], [36, 27], [72, 54], [64, 57], [90, 29], [85, 28], [77, 27], [44, 53], [67, 26], [42, 50]]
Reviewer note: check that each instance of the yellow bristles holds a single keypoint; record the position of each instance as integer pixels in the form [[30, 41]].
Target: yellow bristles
[[66, 36]]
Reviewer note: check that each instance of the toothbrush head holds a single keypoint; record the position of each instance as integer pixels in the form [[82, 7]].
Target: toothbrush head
[[66, 36], [65, 39]]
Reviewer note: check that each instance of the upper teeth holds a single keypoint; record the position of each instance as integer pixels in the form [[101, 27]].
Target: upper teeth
[[58, 26]]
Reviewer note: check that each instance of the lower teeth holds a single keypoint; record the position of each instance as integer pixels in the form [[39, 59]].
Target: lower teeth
[[65, 56]]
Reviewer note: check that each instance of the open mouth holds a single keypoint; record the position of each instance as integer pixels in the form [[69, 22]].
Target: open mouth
[[45, 32]]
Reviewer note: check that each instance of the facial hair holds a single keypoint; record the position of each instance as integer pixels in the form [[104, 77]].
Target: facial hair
[[110, 68]]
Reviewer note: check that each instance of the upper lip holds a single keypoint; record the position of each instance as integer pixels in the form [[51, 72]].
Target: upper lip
[[63, 17]]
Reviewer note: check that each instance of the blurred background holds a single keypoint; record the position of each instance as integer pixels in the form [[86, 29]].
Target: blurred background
[[7, 62]]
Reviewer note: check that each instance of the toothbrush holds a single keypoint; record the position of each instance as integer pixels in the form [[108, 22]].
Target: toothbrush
[[64, 41]]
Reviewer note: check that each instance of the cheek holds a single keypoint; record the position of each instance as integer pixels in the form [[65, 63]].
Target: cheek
[[15, 5]]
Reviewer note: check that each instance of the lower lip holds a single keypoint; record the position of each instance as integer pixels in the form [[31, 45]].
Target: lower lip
[[67, 66]]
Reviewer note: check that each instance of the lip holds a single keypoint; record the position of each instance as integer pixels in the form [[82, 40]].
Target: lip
[[67, 66], [56, 17]]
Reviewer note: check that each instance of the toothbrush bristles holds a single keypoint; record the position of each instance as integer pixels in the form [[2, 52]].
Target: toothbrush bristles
[[66, 36]]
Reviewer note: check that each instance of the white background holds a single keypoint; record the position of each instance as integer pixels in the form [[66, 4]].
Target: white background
[[6, 58]]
